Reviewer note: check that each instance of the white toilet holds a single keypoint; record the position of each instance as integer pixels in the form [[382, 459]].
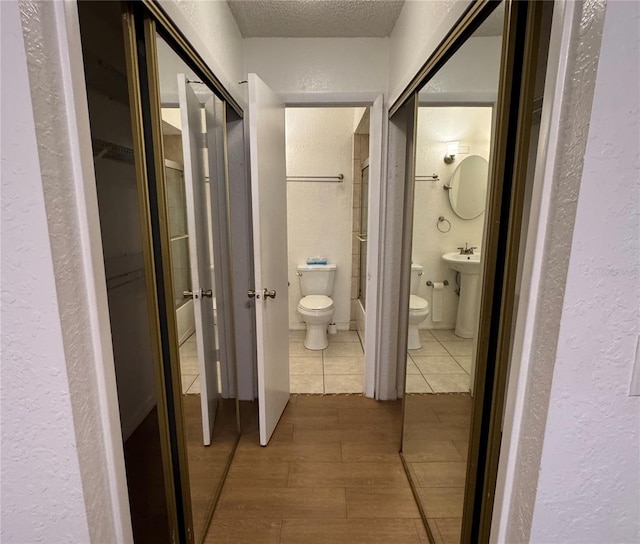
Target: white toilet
[[418, 308], [316, 306]]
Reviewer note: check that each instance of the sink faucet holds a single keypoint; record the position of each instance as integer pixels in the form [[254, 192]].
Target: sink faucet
[[466, 250]]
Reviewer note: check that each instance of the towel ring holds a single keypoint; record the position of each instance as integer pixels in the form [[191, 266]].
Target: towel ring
[[443, 228]]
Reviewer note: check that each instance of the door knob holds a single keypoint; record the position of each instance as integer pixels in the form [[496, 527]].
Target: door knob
[[251, 293], [187, 294], [267, 293], [206, 293]]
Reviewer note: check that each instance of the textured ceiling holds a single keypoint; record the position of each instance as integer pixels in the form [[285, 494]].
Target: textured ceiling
[[315, 18]]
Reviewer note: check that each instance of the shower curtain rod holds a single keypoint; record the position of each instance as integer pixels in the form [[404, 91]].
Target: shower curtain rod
[[332, 179]]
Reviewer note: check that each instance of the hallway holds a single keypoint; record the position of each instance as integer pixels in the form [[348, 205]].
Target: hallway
[[331, 473]]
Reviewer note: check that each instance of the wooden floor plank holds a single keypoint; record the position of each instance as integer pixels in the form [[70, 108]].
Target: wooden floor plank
[[314, 475], [352, 531]]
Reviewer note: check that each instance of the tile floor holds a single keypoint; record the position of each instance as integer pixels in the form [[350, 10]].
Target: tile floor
[[442, 365], [189, 368], [337, 369]]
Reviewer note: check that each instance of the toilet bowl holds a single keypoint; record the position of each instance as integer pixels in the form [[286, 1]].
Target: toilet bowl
[[418, 308], [316, 306], [316, 312], [418, 312]]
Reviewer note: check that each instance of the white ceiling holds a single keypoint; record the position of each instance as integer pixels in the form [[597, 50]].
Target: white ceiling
[[315, 18]]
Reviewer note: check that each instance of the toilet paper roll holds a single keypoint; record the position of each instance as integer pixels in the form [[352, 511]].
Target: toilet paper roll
[[436, 301]]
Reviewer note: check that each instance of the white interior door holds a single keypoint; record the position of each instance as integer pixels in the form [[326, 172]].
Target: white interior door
[[199, 251], [269, 199]]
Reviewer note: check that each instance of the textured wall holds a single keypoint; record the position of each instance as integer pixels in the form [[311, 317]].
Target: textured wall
[[566, 117], [319, 142], [212, 31], [41, 482], [418, 31], [436, 126], [319, 65], [589, 484], [54, 63]]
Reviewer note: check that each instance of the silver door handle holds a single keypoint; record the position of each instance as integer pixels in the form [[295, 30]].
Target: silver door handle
[[207, 293], [187, 294], [252, 294], [267, 293]]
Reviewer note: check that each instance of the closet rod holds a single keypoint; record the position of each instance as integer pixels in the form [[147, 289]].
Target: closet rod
[[332, 179]]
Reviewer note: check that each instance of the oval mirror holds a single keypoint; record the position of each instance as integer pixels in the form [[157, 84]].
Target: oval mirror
[[468, 187]]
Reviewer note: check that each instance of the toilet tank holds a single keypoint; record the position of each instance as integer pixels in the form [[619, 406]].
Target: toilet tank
[[416, 276], [316, 279]]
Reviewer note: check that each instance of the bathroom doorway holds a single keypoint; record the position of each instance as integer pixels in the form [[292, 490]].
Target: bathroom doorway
[[326, 152]]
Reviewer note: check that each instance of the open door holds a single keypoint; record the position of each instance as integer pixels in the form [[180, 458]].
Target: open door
[[269, 199], [199, 251]]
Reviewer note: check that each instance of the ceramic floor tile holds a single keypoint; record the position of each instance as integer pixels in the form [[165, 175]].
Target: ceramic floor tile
[[343, 349], [305, 365], [412, 368], [187, 381], [417, 384], [448, 383], [464, 348], [297, 349], [306, 383], [297, 336], [194, 389], [189, 349], [438, 365], [344, 336], [465, 362], [343, 365], [427, 336], [189, 365], [429, 349], [445, 335], [344, 383]]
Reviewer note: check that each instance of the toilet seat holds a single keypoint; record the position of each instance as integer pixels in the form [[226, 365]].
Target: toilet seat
[[417, 303], [315, 303]]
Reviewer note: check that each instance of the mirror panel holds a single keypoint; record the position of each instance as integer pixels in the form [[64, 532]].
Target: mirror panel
[[456, 104], [468, 187], [193, 126]]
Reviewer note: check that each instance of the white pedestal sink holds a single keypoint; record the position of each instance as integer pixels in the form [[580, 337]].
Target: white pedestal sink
[[469, 303]]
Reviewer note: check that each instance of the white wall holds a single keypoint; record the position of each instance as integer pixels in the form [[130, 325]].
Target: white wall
[[213, 32], [436, 126], [298, 67], [39, 458], [62, 462], [588, 489], [319, 214], [419, 29], [472, 72]]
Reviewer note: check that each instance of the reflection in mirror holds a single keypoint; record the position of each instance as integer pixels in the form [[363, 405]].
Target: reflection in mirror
[[193, 121], [468, 187], [104, 61], [455, 105]]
